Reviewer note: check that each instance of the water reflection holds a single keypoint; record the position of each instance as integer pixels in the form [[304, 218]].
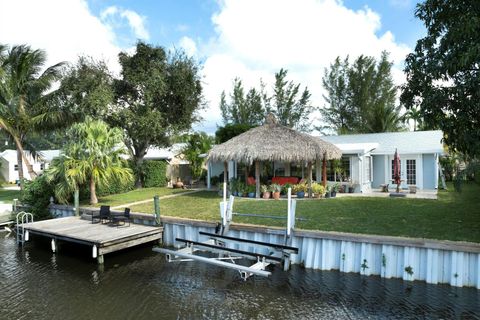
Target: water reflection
[[139, 284]]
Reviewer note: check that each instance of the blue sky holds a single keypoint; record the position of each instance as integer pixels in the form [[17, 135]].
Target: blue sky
[[251, 39]]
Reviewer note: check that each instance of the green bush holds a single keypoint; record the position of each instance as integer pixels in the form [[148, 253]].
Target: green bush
[[155, 173], [37, 195]]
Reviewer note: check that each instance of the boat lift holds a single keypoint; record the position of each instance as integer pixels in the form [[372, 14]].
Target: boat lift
[[220, 243]]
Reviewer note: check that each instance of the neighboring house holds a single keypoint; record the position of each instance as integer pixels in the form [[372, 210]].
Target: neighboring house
[[178, 168], [9, 164], [367, 160]]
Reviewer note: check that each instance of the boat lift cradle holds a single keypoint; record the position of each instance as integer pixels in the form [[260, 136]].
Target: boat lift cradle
[[220, 243]]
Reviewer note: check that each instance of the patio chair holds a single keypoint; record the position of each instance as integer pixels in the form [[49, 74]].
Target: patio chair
[[103, 215], [125, 217]]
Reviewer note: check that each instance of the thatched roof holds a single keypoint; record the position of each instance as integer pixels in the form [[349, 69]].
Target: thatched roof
[[273, 142]]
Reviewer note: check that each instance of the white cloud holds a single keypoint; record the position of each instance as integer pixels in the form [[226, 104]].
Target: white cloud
[[65, 29], [256, 38], [134, 20], [188, 45]]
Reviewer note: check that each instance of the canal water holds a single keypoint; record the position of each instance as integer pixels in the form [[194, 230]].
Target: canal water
[[139, 284]]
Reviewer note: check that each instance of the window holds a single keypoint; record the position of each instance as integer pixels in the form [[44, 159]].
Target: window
[[42, 166], [368, 168], [296, 170], [15, 167], [393, 167], [411, 171], [343, 169]]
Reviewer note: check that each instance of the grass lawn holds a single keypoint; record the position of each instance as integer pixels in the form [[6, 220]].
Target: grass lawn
[[454, 216], [135, 195], [7, 196]]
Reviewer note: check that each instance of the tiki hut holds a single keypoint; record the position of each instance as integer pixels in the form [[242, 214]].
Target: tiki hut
[[274, 142]]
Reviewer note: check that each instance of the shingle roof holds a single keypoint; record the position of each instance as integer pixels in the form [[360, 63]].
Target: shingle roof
[[408, 142]]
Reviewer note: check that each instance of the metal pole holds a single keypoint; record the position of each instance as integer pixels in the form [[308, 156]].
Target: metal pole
[[15, 205], [76, 200], [156, 202]]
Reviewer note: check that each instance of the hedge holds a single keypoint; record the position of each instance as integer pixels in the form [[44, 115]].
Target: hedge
[[155, 173]]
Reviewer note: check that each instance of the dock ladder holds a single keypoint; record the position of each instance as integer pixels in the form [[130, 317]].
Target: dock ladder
[[22, 219]]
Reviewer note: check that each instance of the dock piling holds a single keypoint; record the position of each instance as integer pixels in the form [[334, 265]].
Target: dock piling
[[54, 245]]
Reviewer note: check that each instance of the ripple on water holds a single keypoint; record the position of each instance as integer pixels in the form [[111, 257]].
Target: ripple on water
[[139, 284]]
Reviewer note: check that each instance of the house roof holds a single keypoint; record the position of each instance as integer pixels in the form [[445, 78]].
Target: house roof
[[46, 155], [408, 142], [356, 147], [165, 153]]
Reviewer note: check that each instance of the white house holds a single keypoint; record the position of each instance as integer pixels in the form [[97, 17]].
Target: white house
[[367, 160], [9, 164], [178, 167]]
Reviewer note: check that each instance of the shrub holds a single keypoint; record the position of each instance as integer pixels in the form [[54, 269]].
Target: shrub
[[37, 195], [318, 188], [155, 173]]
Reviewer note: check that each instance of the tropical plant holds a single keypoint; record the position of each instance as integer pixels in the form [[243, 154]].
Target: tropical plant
[[264, 188], [93, 157], [318, 189], [414, 114], [275, 187], [24, 97], [300, 187], [197, 144]]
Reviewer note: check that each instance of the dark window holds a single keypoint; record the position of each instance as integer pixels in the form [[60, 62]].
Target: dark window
[[411, 172], [343, 174], [15, 167]]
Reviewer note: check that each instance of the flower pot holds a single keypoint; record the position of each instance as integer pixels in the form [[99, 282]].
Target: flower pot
[[266, 195], [351, 189], [251, 194], [327, 195], [240, 194], [300, 194], [276, 195], [333, 194], [318, 195]]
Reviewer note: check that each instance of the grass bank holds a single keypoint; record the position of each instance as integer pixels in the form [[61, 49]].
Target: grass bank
[[135, 195], [454, 216], [7, 196]]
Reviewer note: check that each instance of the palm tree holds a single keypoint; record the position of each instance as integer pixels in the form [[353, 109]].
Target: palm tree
[[94, 157], [24, 97], [413, 114]]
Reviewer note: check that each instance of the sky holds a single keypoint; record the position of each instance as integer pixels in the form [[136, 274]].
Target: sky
[[249, 39]]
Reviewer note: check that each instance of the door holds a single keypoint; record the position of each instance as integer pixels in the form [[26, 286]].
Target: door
[[408, 171]]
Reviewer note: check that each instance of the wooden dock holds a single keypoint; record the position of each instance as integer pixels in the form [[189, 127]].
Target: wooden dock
[[103, 238]]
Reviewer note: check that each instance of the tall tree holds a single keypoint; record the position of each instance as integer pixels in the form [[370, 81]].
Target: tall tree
[[24, 97], [157, 96], [93, 157], [443, 73], [361, 96], [291, 107], [415, 115], [242, 109]]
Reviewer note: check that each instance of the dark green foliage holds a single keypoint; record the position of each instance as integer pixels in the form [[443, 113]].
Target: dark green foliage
[[443, 73], [157, 96], [361, 96], [229, 131], [155, 173], [246, 110], [37, 195]]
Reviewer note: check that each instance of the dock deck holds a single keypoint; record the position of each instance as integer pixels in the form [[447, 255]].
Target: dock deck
[[103, 238]]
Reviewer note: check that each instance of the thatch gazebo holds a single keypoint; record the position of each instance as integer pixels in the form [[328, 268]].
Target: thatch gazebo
[[274, 142]]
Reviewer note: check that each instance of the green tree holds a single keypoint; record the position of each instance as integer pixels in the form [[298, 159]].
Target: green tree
[[157, 96], [414, 114], [242, 109], [93, 156], [229, 131], [291, 107], [443, 73], [197, 144], [361, 96], [25, 97]]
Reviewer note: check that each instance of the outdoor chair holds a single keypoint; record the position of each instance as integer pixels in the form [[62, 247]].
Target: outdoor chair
[[103, 215], [122, 218]]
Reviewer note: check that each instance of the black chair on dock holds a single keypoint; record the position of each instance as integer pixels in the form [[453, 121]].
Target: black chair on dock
[[103, 215], [125, 217]]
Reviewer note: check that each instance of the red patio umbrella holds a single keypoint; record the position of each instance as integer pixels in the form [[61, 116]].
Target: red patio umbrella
[[396, 170]]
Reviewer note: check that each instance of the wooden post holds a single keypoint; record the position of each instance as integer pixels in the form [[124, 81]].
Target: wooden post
[[324, 170], [257, 179], [309, 164], [156, 202]]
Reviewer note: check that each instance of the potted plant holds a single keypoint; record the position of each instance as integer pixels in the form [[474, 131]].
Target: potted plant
[[351, 187], [318, 190], [265, 191], [335, 189], [276, 189], [285, 188], [327, 191], [251, 191], [300, 190], [240, 188]]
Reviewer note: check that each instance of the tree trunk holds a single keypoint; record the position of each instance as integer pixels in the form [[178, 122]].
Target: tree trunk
[[21, 158], [20, 167], [138, 157], [93, 194]]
